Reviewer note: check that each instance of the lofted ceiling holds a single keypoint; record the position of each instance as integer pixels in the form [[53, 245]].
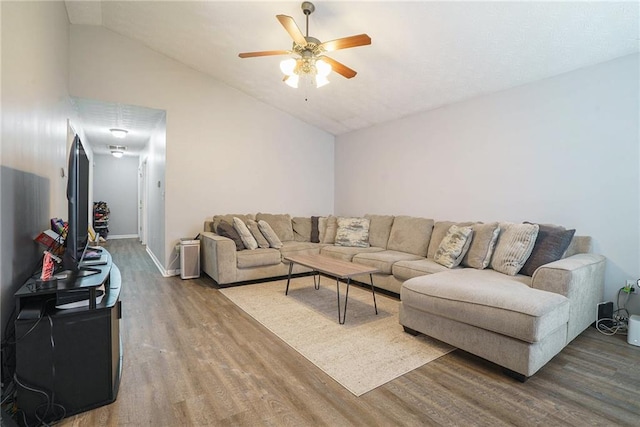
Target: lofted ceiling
[[423, 55]]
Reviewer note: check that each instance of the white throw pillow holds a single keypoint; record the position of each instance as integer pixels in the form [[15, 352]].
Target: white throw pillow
[[514, 246], [453, 246], [247, 238], [269, 234]]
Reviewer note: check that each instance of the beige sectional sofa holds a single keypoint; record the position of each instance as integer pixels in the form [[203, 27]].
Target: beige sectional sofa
[[516, 321]]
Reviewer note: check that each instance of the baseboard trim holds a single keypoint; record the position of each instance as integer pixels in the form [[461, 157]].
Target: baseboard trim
[[164, 272]]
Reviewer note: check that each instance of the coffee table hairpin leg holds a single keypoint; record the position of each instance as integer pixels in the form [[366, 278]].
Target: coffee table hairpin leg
[[342, 319], [316, 285]]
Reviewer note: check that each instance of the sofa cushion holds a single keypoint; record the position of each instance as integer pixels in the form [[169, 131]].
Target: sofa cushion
[[247, 238], [327, 228], [410, 234], [280, 223], [258, 258], [299, 248], [514, 246], [551, 244], [226, 230], [454, 246], [229, 219], [269, 234], [252, 225], [489, 300], [403, 270], [482, 246], [301, 228], [353, 232], [383, 260], [346, 253], [379, 229]]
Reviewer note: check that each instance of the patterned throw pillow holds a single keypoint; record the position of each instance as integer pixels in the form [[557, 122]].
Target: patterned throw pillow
[[482, 246], [252, 225], [454, 246], [269, 234], [226, 230], [247, 238], [353, 232], [514, 246]]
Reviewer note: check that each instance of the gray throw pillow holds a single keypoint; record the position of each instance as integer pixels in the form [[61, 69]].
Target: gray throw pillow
[[453, 246], [315, 230], [514, 246], [482, 246], [269, 234], [252, 225], [353, 232], [226, 230], [247, 238], [550, 245]]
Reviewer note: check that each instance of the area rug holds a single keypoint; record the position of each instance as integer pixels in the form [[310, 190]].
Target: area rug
[[367, 351]]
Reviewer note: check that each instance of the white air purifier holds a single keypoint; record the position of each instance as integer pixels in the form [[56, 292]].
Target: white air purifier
[[633, 334], [189, 258]]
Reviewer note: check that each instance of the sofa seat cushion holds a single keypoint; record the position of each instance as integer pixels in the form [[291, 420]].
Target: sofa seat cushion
[[404, 270], [299, 248], [383, 260], [489, 300], [346, 253], [258, 258]]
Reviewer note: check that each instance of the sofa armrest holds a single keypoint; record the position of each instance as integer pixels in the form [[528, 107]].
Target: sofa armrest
[[580, 278], [218, 257]]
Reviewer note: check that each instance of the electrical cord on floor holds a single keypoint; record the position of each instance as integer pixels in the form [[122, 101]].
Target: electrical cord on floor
[[616, 326]]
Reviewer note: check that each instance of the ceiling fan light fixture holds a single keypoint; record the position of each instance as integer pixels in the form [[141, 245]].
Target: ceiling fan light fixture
[[292, 80], [288, 66], [323, 68], [321, 81]]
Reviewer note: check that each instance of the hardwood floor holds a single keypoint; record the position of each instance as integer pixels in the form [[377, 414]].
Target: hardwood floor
[[191, 357]]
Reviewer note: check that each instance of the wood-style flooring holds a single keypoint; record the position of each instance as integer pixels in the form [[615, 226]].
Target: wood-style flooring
[[191, 357]]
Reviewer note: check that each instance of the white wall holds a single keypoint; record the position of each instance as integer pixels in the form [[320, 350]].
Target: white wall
[[115, 181], [35, 108], [225, 151], [564, 150]]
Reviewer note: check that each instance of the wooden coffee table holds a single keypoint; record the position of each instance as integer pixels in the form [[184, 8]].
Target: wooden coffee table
[[335, 268]]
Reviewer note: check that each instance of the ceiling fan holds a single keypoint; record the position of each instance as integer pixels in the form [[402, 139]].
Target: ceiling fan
[[311, 60]]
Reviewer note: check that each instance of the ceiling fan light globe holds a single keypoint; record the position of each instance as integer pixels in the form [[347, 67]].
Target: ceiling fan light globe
[[292, 81], [321, 81], [323, 68], [288, 66], [117, 154]]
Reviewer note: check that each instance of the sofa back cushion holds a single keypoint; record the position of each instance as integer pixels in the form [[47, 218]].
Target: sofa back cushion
[[327, 228], [410, 234], [379, 229], [280, 223], [301, 228]]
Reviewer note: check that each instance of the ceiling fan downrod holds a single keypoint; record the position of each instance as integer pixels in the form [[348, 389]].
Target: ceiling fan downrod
[[307, 8]]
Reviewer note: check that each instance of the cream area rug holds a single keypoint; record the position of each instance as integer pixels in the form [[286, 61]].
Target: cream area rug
[[367, 351]]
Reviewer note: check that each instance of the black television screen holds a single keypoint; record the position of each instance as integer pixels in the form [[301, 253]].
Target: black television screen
[[78, 203]]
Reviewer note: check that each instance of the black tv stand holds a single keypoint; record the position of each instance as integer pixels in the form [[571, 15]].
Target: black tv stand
[[72, 357]]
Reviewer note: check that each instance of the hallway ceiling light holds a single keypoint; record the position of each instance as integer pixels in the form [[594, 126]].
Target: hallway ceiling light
[[117, 151], [118, 133]]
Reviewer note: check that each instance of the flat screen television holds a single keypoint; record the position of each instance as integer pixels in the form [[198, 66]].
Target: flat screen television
[[78, 207]]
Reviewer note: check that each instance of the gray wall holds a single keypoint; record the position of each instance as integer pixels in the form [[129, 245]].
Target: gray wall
[[564, 150], [115, 181]]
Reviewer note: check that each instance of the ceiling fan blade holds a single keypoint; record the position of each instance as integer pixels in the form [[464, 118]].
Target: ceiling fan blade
[[263, 53], [346, 42], [292, 28], [339, 68]]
